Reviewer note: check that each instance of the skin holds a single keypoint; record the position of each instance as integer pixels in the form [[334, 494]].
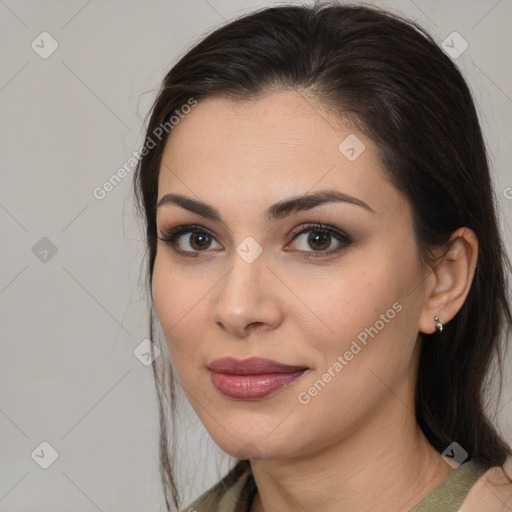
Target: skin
[[356, 444]]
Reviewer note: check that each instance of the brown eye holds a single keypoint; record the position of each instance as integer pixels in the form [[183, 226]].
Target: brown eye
[[188, 240], [199, 240], [319, 240]]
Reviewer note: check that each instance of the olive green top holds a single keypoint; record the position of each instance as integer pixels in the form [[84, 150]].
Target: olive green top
[[236, 491]]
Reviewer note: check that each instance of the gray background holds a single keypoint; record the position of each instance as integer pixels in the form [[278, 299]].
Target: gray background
[[71, 320]]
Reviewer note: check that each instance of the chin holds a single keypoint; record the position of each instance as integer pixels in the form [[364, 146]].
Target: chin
[[257, 445]]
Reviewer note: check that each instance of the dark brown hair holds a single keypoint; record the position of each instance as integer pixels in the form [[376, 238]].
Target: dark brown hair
[[387, 75]]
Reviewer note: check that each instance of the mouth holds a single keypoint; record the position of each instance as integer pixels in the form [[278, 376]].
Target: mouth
[[252, 378]]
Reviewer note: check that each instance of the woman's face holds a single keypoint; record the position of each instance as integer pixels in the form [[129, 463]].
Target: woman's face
[[341, 304]]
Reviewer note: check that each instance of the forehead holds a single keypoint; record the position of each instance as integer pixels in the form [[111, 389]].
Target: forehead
[[259, 151], [283, 125]]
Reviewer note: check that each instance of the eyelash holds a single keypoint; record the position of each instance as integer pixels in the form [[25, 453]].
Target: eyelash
[[170, 236]]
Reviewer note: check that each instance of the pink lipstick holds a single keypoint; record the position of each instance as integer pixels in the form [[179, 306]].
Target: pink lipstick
[[253, 378]]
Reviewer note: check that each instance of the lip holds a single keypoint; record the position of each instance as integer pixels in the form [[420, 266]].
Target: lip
[[251, 366], [252, 378]]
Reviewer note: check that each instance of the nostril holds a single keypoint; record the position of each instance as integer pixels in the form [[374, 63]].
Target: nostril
[[254, 326]]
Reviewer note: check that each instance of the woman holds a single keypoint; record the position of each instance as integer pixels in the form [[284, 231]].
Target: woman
[[325, 263]]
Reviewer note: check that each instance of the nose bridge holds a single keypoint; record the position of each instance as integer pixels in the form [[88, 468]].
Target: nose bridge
[[242, 298], [247, 265], [240, 288]]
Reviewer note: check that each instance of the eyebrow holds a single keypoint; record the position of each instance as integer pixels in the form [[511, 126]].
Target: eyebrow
[[275, 212]]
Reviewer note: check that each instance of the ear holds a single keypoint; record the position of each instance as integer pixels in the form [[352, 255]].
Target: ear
[[450, 281]]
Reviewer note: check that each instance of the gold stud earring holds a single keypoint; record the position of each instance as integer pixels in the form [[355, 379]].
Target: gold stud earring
[[439, 324]]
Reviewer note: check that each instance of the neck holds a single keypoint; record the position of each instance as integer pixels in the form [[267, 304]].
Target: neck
[[385, 464]]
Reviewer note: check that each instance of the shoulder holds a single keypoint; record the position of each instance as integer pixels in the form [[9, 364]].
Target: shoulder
[[234, 491], [492, 492]]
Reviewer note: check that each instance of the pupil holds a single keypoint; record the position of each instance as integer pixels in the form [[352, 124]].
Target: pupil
[[319, 237]]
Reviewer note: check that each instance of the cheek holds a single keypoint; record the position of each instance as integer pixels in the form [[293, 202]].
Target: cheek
[[343, 302], [180, 305], [366, 327], [369, 353], [367, 315]]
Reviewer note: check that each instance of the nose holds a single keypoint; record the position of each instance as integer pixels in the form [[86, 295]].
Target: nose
[[247, 298]]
